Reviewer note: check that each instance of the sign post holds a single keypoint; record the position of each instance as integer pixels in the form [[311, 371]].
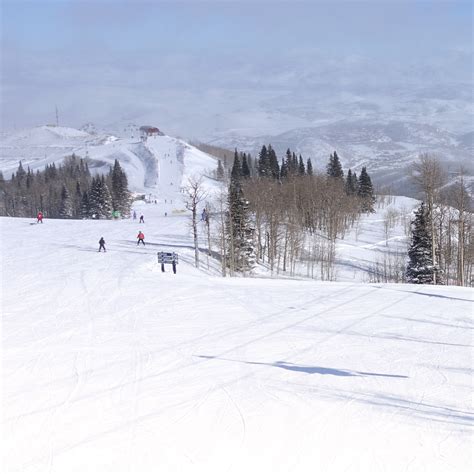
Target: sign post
[[168, 258]]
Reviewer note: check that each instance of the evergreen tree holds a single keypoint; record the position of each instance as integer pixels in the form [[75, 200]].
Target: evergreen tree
[[85, 207], [288, 162], [236, 172], [20, 173], [94, 199], [220, 171], [106, 201], [53, 171], [301, 168], [245, 167], [350, 185], [116, 174], [100, 200], [366, 191], [120, 195], [263, 163], [239, 230], [293, 165], [29, 178], [66, 208], [284, 169], [334, 168], [77, 199], [309, 167], [273, 165], [420, 265]]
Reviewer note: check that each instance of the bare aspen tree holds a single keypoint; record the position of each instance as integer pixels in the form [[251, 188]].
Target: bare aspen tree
[[194, 194], [221, 207], [461, 202], [207, 223]]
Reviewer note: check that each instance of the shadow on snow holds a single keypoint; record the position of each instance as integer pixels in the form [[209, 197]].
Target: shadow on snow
[[311, 369]]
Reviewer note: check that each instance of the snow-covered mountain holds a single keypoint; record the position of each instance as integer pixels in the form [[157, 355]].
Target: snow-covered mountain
[[108, 362], [387, 149], [157, 166]]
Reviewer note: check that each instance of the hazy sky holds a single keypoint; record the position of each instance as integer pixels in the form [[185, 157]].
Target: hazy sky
[[114, 61]]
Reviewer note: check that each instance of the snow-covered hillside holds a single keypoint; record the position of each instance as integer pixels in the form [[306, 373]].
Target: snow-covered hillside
[[387, 148], [157, 167], [110, 365]]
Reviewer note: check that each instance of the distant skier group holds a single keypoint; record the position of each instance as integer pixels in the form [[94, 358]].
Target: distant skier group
[[142, 219], [140, 236]]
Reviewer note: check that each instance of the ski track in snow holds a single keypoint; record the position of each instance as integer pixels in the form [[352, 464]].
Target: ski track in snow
[[110, 364]]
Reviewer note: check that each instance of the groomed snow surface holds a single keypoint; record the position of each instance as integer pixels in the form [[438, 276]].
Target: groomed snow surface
[[110, 365]]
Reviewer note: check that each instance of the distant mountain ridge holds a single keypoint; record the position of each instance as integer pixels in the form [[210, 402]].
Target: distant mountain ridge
[[387, 149]]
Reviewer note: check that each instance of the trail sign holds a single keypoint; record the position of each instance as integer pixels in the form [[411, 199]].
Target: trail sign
[[168, 258]]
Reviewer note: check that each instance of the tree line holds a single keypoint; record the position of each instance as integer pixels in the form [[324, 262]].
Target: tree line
[[68, 190], [283, 214]]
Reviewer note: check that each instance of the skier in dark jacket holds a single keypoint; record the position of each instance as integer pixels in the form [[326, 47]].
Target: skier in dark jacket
[[141, 238], [142, 220], [102, 244]]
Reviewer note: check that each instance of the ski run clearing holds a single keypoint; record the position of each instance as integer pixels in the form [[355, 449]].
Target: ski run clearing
[[110, 365]]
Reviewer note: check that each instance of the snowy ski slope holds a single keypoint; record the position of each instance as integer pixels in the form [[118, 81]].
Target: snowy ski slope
[[157, 167], [110, 365]]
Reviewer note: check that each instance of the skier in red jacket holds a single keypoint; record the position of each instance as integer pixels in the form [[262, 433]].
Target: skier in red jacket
[[141, 238], [39, 217]]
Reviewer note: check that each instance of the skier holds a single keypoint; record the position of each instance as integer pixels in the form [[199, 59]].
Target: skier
[[204, 215], [134, 215], [141, 238], [39, 217], [142, 219], [102, 244]]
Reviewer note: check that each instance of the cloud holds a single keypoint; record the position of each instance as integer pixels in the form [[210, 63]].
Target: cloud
[[105, 61]]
